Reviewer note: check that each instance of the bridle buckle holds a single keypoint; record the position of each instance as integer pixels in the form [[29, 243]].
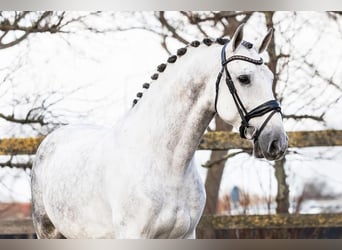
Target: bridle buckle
[[250, 132], [247, 131]]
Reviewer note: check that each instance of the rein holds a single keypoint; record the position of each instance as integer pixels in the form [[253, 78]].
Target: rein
[[246, 130]]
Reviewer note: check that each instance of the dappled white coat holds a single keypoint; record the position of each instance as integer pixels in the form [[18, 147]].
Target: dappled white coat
[[136, 179]]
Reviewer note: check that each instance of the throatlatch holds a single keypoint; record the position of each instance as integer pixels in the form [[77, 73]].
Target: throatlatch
[[246, 131]]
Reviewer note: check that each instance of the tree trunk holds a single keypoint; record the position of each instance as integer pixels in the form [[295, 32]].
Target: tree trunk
[[283, 188], [213, 180], [273, 62]]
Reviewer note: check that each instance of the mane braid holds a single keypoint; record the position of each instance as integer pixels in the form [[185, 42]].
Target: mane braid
[[172, 59], [182, 51], [161, 67], [154, 76]]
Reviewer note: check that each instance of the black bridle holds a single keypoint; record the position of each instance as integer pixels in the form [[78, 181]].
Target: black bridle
[[246, 131]]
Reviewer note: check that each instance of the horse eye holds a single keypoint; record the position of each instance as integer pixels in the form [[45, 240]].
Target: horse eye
[[244, 79]]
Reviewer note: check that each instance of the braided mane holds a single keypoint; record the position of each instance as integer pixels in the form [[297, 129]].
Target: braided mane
[[180, 52]]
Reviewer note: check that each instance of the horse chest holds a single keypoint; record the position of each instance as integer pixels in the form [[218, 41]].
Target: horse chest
[[173, 222], [176, 213], [167, 217], [159, 211]]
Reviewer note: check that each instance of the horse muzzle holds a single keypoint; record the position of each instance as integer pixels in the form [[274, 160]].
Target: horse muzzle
[[270, 146]]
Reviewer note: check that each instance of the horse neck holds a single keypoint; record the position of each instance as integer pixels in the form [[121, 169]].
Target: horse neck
[[175, 111]]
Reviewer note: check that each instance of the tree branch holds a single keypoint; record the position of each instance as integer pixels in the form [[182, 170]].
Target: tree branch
[[165, 23], [299, 117], [224, 158], [11, 118], [10, 164]]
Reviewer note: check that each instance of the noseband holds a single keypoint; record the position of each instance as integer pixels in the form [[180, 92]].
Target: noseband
[[246, 130]]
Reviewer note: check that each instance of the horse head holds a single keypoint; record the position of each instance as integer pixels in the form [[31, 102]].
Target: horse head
[[245, 98]]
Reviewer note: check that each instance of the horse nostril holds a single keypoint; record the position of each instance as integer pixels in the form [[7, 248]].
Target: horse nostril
[[274, 147]]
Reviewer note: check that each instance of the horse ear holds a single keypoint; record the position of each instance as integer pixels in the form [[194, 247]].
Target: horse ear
[[266, 41], [237, 37]]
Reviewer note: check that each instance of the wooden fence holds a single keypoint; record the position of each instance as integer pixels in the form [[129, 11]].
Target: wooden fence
[[210, 141], [237, 226], [276, 226], [240, 226]]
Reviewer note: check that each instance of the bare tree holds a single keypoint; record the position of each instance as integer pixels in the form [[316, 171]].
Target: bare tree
[[36, 114], [17, 27]]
